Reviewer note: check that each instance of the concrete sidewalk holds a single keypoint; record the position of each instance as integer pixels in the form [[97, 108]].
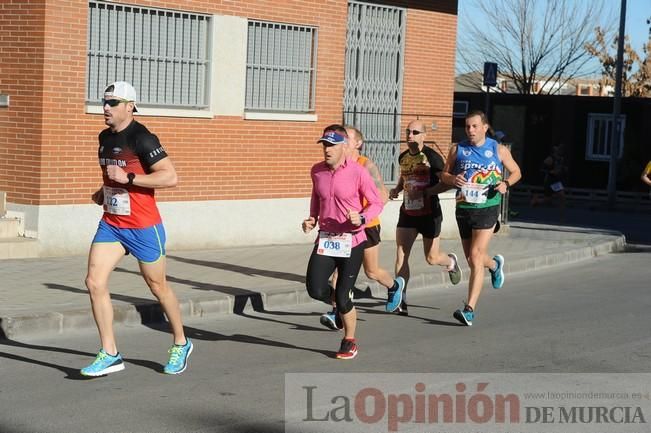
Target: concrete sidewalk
[[47, 295]]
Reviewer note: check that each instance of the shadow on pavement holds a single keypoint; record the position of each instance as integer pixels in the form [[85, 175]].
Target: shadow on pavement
[[151, 312], [149, 309], [636, 248], [366, 310], [199, 285], [203, 335], [245, 270], [71, 373], [634, 225], [561, 229], [258, 307], [153, 317]]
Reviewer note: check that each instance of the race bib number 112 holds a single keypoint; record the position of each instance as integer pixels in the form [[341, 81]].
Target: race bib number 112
[[116, 201]]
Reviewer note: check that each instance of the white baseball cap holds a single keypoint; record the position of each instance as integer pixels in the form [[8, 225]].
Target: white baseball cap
[[122, 90]]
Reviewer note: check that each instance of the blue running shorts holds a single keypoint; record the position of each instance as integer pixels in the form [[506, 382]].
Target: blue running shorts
[[147, 245]]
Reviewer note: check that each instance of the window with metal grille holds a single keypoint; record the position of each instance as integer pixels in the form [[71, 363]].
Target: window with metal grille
[[598, 136], [375, 47], [280, 67], [460, 109], [164, 54]]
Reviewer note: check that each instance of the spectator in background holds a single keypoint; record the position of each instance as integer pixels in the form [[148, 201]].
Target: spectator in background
[[499, 137], [554, 169], [646, 176]]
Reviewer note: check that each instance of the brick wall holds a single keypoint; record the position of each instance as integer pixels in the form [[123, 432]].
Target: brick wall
[[21, 77], [428, 88], [48, 155]]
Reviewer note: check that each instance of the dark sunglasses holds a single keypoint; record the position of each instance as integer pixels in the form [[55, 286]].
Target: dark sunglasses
[[412, 131], [113, 102]]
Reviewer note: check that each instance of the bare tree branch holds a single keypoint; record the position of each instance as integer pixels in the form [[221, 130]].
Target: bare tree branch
[[539, 45]]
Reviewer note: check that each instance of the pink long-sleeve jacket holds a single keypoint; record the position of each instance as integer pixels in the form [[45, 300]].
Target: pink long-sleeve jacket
[[334, 192]]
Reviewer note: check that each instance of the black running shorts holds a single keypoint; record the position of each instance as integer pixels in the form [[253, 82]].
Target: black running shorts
[[427, 225], [372, 236], [476, 219]]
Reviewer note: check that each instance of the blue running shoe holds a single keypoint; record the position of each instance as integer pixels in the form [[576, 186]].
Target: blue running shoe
[[103, 365], [331, 320], [179, 358], [497, 275], [403, 310], [465, 316], [394, 296]]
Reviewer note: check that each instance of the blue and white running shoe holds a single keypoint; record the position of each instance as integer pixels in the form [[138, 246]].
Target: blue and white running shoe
[[394, 295], [179, 355], [465, 316], [331, 320], [103, 365], [497, 275]]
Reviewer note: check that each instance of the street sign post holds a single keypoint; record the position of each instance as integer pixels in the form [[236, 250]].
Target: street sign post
[[490, 80], [490, 74]]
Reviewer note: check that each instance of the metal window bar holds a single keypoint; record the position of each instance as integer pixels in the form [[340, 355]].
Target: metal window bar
[[162, 53], [598, 137], [373, 80], [280, 67]]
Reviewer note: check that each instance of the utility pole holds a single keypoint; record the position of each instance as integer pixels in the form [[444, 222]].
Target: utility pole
[[615, 131]]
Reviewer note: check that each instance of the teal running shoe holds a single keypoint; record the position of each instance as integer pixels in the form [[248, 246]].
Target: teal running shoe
[[497, 275], [103, 365], [179, 355], [394, 295], [465, 316], [403, 309]]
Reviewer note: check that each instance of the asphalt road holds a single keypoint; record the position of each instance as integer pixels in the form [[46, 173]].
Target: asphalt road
[[591, 317]]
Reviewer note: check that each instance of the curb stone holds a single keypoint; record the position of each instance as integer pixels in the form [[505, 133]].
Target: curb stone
[[38, 324]]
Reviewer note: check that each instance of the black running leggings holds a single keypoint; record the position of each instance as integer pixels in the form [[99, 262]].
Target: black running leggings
[[319, 270]]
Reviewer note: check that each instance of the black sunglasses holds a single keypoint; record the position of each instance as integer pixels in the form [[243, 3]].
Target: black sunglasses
[[113, 102], [412, 131]]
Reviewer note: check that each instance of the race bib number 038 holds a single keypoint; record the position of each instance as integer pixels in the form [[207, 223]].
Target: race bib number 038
[[335, 244]]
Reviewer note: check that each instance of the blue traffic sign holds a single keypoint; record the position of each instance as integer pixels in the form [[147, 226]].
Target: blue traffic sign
[[490, 74]]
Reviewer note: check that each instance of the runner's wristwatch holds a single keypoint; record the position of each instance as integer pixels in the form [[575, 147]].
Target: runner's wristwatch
[[131, 177], [363, 219]]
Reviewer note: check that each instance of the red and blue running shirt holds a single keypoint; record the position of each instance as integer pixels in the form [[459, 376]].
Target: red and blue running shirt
[[135, 150]]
